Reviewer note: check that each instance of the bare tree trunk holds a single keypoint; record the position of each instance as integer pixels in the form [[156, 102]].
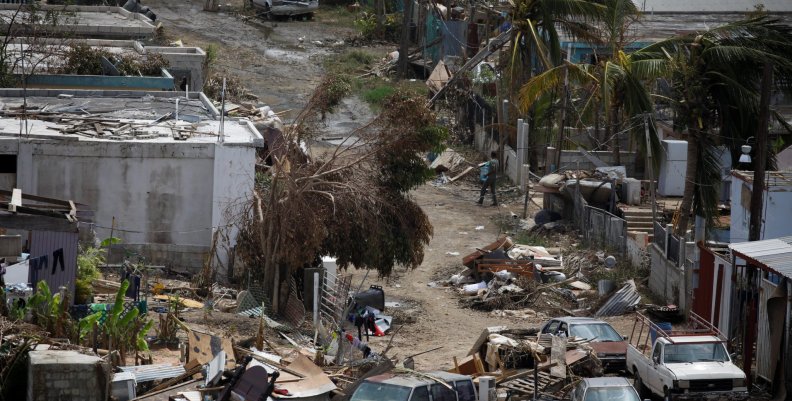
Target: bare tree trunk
[[690, 185], [404, 46], [616, 129]]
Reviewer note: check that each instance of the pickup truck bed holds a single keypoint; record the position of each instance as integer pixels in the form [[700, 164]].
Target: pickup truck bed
[[683, 365]]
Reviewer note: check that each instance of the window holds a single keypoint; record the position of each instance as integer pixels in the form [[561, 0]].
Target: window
[[420, 394], [601, 332], [578, 391], [695, 352], [563, 330], [656, 353], [442, 393], [372, 391], [465, 390], [551, 327], [8, 164], [611, 394]]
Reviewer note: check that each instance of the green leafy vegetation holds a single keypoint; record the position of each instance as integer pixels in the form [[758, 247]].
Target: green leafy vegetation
[[117, 329], [88, 262], [377, 96], [390, 29]]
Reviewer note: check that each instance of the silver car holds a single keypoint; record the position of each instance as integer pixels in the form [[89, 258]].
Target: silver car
[[604, 389]]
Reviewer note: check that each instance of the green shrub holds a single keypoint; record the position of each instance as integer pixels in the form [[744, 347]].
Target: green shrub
[[88, 262], [377, 96]]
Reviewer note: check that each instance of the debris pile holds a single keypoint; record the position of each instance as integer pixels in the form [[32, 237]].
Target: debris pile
[[449, 166], [521, 358], [508, 279]]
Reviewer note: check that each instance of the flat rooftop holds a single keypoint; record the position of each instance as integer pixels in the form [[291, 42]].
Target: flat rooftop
[[93, 21], [85, 115], [772, 178], [712, 6]]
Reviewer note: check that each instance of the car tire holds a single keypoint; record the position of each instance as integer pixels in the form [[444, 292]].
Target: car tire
[[666, 394], [643, 391]]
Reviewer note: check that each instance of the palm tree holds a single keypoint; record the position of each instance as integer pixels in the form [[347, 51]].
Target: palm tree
[[536, 43], [715, 78], [615, 82]]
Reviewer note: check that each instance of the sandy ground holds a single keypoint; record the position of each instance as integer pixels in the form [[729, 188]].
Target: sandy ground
[[267, 56], [440, 321]]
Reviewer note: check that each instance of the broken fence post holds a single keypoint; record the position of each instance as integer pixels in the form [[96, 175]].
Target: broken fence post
[[316, 299]]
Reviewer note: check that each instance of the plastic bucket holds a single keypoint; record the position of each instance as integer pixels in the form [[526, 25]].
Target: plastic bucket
[[662, 326]]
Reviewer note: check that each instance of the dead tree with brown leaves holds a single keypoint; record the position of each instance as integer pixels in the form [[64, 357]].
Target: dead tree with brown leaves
[[349, 201]]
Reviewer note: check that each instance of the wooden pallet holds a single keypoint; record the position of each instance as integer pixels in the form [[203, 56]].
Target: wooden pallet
[[526, 385]]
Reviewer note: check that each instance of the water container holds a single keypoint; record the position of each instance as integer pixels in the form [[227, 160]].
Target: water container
[[484, 172], [667, 327]]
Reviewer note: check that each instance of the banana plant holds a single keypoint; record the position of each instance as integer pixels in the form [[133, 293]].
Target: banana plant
[[118, 330]]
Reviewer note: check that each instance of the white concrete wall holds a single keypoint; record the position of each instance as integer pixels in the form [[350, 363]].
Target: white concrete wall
[[666, 279], [636, 247], [158, 193], [234, 178], [165, 197], [777, 211]]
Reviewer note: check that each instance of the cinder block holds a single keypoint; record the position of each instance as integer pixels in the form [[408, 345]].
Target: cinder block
[[66, 376]]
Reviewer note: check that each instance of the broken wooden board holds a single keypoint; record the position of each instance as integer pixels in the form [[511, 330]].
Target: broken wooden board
[[315, 382], [462, 174], [186, 302], [204, 347], [470, 365], [580, 285]]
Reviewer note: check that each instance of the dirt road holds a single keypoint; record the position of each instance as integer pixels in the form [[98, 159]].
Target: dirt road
[[281, 70], [440, 321], [278, 61]]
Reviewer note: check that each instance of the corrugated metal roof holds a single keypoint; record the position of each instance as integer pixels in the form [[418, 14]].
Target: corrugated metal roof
[[147, 373], [770, 254], [621, 300]]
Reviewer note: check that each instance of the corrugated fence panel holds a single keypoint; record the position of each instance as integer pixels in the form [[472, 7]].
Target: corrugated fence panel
[[53, 258], [763, 353]]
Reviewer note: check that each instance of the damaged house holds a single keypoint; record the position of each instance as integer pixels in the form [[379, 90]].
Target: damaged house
[[163, 172]]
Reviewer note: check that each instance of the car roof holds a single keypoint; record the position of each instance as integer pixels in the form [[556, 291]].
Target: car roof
[[415, 380], [607, 382], [578, 320], [691, 339]]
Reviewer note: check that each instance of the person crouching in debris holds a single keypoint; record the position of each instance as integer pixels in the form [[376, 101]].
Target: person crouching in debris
[[489, 174]]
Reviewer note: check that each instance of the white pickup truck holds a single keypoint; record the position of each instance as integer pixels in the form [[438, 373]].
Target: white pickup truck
[[683, 365]]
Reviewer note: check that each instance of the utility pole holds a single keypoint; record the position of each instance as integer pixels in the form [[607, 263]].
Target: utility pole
[[565, 95], [755, 227], [650, 168], [404, 46]]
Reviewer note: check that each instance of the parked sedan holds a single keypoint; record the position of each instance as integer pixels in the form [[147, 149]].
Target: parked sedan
[[604, 389], [610, 346]]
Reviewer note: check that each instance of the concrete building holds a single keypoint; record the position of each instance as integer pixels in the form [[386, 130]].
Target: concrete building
[[43, 58], [79, 21], [66, 376], [166, 187], [777, 210]]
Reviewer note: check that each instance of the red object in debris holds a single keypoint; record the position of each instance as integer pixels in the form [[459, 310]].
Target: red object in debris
[[281, 391]]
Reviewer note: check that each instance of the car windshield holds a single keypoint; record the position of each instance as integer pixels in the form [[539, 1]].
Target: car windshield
[[596, 331], [611, 394], [698, 352], [371, 391]]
